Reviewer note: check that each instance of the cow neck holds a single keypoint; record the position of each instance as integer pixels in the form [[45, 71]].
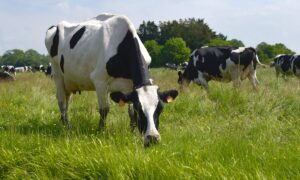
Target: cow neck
[[129, 63], [139, 67]]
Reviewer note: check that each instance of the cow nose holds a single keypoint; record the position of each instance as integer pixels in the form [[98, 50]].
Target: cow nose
[[152, 139]]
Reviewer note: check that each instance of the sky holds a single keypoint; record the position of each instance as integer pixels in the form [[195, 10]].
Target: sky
[[23, 23]]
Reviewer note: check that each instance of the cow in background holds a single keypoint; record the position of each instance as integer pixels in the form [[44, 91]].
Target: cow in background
[[287, 65], [222, 64], [105, 54], [5, 76]]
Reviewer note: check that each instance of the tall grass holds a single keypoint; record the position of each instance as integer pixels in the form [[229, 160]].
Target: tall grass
[[223, 133]]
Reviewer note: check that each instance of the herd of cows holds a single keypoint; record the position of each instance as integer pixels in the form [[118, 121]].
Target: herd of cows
[[105, 54], [8, 72]]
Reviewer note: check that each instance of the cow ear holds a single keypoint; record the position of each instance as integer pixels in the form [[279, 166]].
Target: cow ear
[[168, 96], [120, 98]]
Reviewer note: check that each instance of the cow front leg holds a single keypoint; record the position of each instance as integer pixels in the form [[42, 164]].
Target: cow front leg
[[133, 117], [103, 113], [102, 95], [200, 80]]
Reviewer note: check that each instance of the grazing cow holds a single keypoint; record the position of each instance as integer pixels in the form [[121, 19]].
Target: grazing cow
[[105, 54], [20, 69], [48, 70], [5, 76], [171, 66], [10, 69], [221, 64], [287, 65]]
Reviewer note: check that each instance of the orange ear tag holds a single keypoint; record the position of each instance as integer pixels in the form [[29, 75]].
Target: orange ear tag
[[169, 99], [121, 103]]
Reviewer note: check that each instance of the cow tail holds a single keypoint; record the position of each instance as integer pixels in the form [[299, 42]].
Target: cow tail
[[258, 61]]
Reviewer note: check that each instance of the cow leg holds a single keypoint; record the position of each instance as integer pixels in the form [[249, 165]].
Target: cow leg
[[102, 94], [200, 80], [236, 78], [63, 99], [133, 117], [253, 79]]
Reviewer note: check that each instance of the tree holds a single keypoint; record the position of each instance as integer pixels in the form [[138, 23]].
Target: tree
[[148, 31], [193, 31], [175, 51], [154, 50], [222, 42], [18, 57], [267, 52]]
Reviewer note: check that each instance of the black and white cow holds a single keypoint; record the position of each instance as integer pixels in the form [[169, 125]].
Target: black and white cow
[[287, 65], [105, 54], [221, 64], [5, 76]]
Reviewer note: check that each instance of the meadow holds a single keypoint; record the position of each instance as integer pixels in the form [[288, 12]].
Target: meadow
[[224, 133]]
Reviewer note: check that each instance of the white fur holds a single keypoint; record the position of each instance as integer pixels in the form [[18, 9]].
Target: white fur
[[149, 100], [239, 50]]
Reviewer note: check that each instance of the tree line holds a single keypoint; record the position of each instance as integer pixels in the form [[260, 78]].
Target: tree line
[[166, 41], [172, 41], [17, 58]]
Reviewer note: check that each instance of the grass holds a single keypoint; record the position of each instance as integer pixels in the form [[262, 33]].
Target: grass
[[223, 133]]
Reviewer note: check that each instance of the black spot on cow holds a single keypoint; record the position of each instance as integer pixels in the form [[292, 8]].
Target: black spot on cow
[[244, 58], [76, 37], [210, 59], [129, 63], [54, 47], [62, 62]]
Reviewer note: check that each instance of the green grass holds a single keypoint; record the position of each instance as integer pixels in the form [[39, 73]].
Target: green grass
[[223, 133]]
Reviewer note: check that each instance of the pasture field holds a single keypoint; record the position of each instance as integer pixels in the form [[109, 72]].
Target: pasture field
[[223, 133]]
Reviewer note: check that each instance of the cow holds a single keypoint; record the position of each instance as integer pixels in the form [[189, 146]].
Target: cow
[[105, 54], [287, 65], [9, 69], [222, 64], [171, 66], [5, 76], [48, 70], [20, 69]]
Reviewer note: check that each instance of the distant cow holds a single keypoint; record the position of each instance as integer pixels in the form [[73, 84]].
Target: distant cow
[[105, 54], [39, 68], [5, 76], [9, 69], [172, 66], [221, 64], [287, 65], [48, 70]]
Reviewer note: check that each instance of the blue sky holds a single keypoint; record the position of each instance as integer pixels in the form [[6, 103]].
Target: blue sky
[[24, 22]]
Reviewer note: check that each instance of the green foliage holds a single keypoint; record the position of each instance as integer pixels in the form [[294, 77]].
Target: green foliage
[[175, 51], [154, 50], [267, 52], [220, 134], [18, 57], [148, 31], [193, 31], [223, 42]]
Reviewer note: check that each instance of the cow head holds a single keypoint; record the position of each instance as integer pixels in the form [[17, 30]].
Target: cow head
[[147, 104]]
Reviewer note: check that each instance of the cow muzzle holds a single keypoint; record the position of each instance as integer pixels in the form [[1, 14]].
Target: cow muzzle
[[151, 139]]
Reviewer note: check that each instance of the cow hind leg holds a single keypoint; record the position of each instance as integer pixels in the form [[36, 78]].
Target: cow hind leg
[[63, 99], [253, 79]]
